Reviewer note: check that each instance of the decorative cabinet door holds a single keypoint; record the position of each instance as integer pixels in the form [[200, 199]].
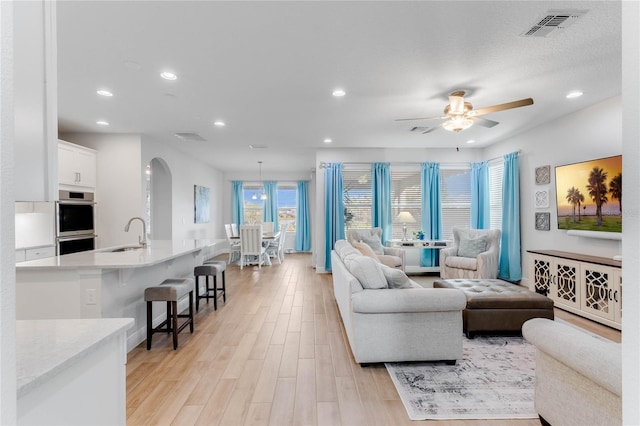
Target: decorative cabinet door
[[564, 283], [598, 291], [617, 295], [540, 267]]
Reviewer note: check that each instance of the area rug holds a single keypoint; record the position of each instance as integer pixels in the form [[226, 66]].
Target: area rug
[[494, 380]]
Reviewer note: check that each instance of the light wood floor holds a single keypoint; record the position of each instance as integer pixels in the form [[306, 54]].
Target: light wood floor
[[274, 354]]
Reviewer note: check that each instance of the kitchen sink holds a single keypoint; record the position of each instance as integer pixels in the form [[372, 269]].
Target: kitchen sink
[[128, 248]]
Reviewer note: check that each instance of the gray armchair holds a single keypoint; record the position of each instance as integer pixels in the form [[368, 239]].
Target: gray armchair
[[474, 254], [390, 256]]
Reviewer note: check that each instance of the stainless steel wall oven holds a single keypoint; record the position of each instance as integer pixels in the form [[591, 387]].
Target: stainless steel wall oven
[[75, 215]]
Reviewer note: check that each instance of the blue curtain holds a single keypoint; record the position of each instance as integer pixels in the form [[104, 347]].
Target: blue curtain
[[480, 195], [303, 232], [431, 212], [381, 199], [334, 209], [510, 267], [270, 212], [237, 213]]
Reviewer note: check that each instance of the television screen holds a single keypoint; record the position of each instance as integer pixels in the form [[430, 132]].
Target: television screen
[[589, 195]]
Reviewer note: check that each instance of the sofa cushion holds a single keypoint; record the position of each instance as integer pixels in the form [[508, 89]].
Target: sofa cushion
[[396, 278], [374, 242], [365, 249], [343, 248], [471, 246], [461, 263], [390, 261], [367, 271]]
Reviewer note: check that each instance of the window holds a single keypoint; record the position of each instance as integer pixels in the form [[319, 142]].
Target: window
[[496, 172], [253, 205], [287, 204], [356, 186], [286, 199], [405, 197], [455, 198]]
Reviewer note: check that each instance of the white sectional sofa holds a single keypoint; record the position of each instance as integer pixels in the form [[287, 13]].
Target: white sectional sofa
[[384, 324], [578, 376]]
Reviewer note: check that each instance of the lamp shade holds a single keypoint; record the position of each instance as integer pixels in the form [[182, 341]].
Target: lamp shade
[[405, 217]]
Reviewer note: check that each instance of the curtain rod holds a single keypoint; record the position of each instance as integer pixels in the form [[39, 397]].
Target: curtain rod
[[325, 164]]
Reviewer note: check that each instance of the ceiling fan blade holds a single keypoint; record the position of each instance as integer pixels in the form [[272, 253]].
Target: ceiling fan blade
[[484, 122], [420, 118], [501, 107], [431, 129]]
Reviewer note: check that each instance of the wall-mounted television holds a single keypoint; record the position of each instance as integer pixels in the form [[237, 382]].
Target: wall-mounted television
[[589, 195]]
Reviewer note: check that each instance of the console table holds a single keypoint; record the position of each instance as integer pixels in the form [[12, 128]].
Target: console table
[[413, 249], [589, 286]]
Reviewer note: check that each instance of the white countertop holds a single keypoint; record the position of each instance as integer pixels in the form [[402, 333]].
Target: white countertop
[[157, 251], [44, 348]]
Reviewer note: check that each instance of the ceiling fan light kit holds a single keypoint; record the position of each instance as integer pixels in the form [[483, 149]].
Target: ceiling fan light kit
[[460, 115]]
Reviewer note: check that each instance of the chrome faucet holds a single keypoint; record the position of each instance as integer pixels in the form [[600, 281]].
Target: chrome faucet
[[142, 240]]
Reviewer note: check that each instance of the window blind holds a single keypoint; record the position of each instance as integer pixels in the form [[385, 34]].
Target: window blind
[[496, 173], [405, 196], [455, 199], [356, 186]]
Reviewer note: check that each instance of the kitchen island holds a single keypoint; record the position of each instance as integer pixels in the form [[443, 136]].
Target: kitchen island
[[107, 283], [71, 372]]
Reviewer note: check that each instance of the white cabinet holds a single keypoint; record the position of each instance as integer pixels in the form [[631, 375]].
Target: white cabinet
[[413, 253], [589, 286], [76, 165]]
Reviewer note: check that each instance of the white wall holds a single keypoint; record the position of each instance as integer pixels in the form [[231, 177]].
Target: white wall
[[591, 133], [8, 399], [186, 172], [118, 185], [35, 101]]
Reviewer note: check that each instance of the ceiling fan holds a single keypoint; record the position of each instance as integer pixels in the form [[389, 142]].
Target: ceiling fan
[[460, 115]]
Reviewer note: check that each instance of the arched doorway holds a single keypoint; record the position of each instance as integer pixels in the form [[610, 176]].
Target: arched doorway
[[159, 202]]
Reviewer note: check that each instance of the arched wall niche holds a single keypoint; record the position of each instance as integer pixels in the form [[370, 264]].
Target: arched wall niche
[[158, 199]]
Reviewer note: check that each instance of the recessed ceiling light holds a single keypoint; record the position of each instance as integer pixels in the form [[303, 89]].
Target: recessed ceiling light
[[219, 123], [102, 123], [575, 94], [338, 93], [327, 140], [471, 141], [103, 92], [168, 75]]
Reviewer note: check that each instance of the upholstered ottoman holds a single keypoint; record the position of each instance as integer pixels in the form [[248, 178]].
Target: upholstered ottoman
[[497, 306]]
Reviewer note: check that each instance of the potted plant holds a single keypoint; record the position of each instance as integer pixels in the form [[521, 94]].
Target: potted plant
[[418, 235]]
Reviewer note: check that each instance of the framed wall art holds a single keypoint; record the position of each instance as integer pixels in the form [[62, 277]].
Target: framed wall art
[[543, 221], [201, 204], [542, 199], [543, 175]]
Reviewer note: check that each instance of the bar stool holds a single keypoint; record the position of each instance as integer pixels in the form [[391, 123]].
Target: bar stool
[[171, 290], [210, 268]]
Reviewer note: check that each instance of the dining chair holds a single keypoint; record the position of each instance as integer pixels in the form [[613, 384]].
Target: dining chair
[[276, 247], [251, 248], [267, 227], [234, 230], [234, 245]]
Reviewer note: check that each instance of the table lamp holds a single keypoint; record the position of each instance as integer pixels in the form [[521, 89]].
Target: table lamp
[[404, 218]]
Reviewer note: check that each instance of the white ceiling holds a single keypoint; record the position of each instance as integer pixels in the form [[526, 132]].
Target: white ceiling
[[268, 69]]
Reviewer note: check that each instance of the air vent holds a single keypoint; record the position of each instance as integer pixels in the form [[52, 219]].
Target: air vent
[[548, 24], [190, 137], [422, 130], [254, 146]]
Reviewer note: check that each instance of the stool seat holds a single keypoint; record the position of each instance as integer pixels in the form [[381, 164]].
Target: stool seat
[[170, 291], [220, 263], [211, 268]]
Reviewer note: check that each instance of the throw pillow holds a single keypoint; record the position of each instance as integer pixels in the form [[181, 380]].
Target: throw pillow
[[375, 243], [365, 250], [471, 247], [367, 271], [395, 277]]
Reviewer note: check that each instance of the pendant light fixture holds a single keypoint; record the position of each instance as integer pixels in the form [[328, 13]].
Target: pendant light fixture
[[263, 196]]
